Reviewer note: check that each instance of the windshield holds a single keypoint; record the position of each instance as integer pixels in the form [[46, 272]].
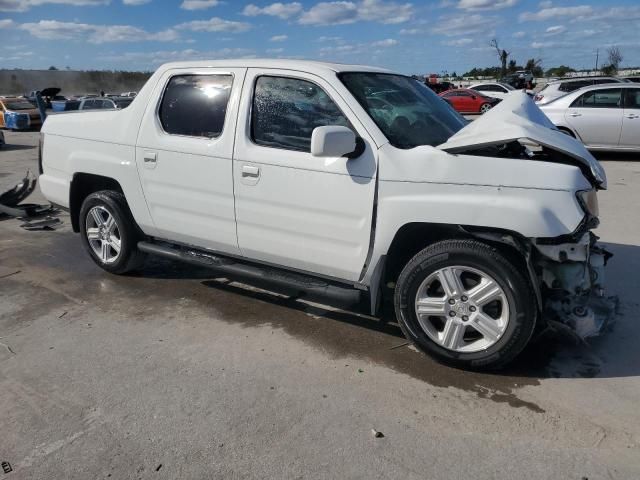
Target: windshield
[[407, 111], [19, 105]]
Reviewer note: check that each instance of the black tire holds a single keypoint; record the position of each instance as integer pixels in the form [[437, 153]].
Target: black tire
[[129, 258], [480, 256]]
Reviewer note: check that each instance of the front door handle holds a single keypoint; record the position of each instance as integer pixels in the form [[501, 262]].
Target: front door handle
[[632, 115], [150, 159], [250, 171], [575, 114]]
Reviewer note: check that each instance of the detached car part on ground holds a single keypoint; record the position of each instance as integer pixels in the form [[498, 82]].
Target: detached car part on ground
[[350, 176]]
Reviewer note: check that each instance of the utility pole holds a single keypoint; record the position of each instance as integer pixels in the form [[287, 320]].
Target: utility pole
[[597, 58]]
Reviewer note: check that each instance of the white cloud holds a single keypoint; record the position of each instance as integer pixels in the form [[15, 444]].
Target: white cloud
[[135, 2], [475, 5], [215, 24], [278, 38], [387, 42], [330, 13], [546, 4], [55, 30], [410, 31], [274, 50], [153, 59], [460, 42], [542, 44], [24, 5], [557, 12], [278, 9], [464, 24], [345, 12], [555, 30], [330, 39], [6, 23], [199, 4], [519, 34]]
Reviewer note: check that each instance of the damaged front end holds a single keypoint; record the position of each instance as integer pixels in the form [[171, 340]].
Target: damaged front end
[[572, 281]]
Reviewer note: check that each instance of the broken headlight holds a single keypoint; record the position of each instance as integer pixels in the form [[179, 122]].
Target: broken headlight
[[588, 200]]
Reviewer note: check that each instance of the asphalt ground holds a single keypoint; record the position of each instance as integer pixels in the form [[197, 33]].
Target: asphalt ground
[[178, 373]]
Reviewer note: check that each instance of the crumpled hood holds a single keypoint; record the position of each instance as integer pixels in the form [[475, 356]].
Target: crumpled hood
[[517, 117]]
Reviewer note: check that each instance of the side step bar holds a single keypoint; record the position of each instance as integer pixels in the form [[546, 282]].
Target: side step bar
[[236, 267]]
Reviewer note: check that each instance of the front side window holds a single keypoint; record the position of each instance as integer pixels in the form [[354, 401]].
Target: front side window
[[195, 105], [413, 114], [286, 110], [609, 98]]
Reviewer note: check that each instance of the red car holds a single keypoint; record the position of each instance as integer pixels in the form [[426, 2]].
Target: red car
[[465, 100]]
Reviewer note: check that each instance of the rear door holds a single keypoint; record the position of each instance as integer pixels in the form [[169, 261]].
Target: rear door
[[183, 154], [630, 137], [596, 116], [293, 209]]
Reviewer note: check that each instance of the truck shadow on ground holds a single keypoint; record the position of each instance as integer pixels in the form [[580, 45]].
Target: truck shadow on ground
[[337, 322]]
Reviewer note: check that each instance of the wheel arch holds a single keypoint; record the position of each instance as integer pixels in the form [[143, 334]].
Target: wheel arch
[[413, 237], [84, 184]]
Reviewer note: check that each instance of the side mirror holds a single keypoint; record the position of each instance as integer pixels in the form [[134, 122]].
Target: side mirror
[[333, 141]]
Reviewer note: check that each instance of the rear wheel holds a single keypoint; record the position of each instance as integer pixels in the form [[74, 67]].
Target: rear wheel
[[109, 232], [485, 107], [466, 304]]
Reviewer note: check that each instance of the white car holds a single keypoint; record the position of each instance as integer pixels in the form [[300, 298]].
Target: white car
[[494, 89], [559, 88], [297, 171], [603, 117]]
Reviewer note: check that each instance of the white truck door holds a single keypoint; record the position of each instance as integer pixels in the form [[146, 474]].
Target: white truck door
[[184, 152], [308, 213]]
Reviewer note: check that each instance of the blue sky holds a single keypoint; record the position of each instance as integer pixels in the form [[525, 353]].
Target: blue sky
[[408, 36]]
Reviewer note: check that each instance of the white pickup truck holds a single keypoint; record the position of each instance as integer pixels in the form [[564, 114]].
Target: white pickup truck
[[327, 174]]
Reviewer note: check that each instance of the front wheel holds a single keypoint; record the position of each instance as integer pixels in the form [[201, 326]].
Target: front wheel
[[466, 304], [109, 232]]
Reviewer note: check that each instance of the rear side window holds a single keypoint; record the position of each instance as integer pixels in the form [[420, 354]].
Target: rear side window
[[195, 105], [286, 110], [609, 98]]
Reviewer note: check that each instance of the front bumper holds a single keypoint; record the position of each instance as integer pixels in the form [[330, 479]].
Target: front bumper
[[572, 277]]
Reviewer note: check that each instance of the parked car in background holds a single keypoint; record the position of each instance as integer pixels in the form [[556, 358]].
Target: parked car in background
[[466, 100], [2, 142], [493, 89], [520, 80], [18, 113], [558, 88], [439, 87], [633, 79], [49, 95], [102, 103], [128, 94], [319, 174], [603, 117]]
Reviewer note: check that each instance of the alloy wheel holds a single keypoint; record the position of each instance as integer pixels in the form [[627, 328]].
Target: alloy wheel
[[462, 309]]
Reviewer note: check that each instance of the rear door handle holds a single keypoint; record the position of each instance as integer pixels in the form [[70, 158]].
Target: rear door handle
[[250, 171], [575, 114], [632, 115]]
